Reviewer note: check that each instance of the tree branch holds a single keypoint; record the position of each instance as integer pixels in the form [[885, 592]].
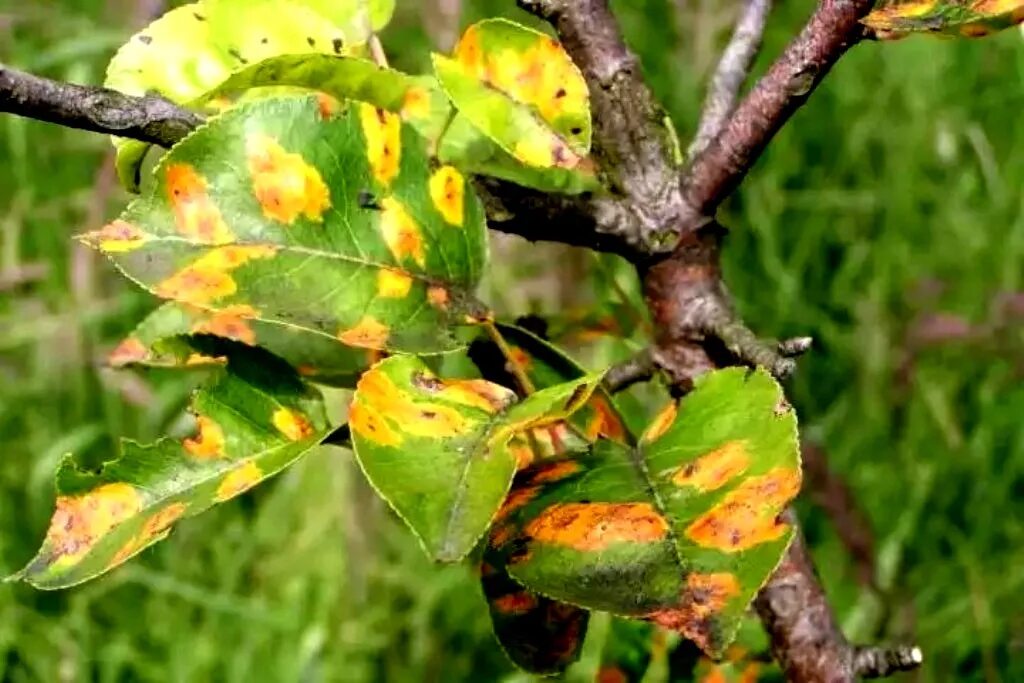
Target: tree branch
[[101, 110], [718, 170], [623, 375], [730, 74]]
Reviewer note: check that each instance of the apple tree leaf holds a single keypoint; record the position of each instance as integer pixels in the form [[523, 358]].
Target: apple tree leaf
[[968, 18]]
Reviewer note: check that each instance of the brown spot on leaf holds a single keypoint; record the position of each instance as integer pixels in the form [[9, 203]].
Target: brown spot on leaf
[[703, 597], [595, 526], [715, 469], [519, 602]]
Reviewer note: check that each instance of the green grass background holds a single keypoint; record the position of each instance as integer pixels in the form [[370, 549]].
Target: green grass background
[[895, 196]]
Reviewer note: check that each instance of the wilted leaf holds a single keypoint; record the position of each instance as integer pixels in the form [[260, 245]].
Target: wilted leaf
[[970, 18], [627, 652], [443, 453], [522, 90], [329, 222], [254, 418], [681, 530], [193, 48], [164, 339]]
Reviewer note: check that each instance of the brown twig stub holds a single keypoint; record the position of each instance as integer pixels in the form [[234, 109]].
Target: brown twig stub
[[731, 72], [718, 170], [639, 368], [880, 662], [101, 110]]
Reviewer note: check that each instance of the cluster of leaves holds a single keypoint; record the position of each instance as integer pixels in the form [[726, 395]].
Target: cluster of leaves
[[322, 229]]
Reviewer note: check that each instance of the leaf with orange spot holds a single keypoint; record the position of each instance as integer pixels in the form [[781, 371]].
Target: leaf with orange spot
[[521, 89], [165, 338], [966, 18], [439, 450], [321, 243], [682, 529], [254, 417]]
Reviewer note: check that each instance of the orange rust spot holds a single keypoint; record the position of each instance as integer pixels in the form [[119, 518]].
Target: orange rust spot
[[748, 515], [475, 393], [555, 471], [438, 297], [605, 422], [661, 423], [416, 104], [520, 358], [292, 424], [400, 232], [519, 602], [595, 526], [285, 184], [469, 52], [79, 522], [209, 439], [714, 470], [130, 350], [383, 133], [128, 550], [195, 215], [501, 535], [611, 674], [327, 105], [703, 597], [239, 481], [371, 425], [162, 520], [516, 499], [393, 284], [448, 190], [379, 394], [231, 323], [208, 277], [367, 333], [117, 237]]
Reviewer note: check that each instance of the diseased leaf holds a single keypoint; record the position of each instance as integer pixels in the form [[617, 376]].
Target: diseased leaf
[[192, 48], [681, 530], [522, 90], [329, 222], [443, 453], [970, 18], [164, 339], [254, 418], [627, 652]]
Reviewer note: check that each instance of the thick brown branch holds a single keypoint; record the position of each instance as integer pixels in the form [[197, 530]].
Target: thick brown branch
[[101, 110], [718, 170], [730, 73], [639, 368]]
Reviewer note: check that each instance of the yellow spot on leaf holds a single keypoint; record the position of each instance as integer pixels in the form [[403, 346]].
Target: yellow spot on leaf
[[475, 393], [748, 515], [393, 284], [400, 232], [285, 185], [371, 425], [239, 481], [447, 190], [596, 526], [230, 322], [469, 52], [163, 519], [661, 423], [208, 441], [367, 333], [208, 278], [379, 395], [116, 238], [519, 602], [416, 104], [195, 214], [292, 424], [79, 522], [714, 470], [438, 297], [383, 132], [130, 350]]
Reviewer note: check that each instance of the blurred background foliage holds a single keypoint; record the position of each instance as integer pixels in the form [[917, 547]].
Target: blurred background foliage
[[887, 221]]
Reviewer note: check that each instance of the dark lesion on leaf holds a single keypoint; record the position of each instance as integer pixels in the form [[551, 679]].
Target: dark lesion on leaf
[[426, 382], [368, 200]]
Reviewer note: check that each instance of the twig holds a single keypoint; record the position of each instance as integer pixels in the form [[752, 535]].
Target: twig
[[101, 110], [730, 74], [639, 368]]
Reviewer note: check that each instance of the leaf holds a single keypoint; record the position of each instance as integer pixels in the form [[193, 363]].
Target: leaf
[[332, 223], [443, 453], [255, 417], [164, 339], [681, 530], [970, 18], [522, 90], [627, 652], [191, 49]]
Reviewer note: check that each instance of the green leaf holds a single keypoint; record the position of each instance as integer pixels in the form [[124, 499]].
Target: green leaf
[[970, 18], [443, 453], [627, 652], [522, 90], [683, 529], [165, 339], [255, 417], [330, 222], [191, 49]]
